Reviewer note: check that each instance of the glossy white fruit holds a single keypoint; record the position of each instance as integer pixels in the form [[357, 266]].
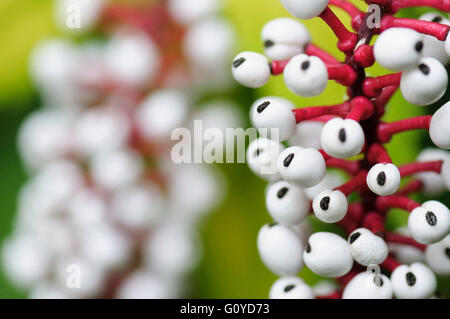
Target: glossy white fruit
[[304, 167], [399, 49], [282, 45], [342, 138], [426, 83], [280, 249], [306, 75], [383, 179], [328, 255]]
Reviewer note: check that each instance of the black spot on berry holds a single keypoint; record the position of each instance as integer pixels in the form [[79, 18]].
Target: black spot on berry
[[305, 65], [425, 69], [381, 179], [282, 192], [262, 106], [287, 161], [378, 281], [289, 288], [238, 62], [308, 248], [342, 135], [447, 252], [354, 237], [325, 203], [437, 19], [431, 218], [410, 279], [258, 152], [269, 43], [419, 46]]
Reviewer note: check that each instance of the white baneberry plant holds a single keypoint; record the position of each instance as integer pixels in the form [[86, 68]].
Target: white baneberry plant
[[105, 213], [351, 136]]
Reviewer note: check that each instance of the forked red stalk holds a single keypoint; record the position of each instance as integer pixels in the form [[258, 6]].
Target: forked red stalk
[[372, 87], [346, 40]]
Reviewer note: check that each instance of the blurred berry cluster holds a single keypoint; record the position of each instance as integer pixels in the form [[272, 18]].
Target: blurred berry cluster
[[105, 213], [372, 262]]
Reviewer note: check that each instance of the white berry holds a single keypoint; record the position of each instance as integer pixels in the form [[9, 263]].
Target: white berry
[[287, 204], [280, 249], [424, 84], [328, 255], [383, 179], [367, 248], [433, 183], [438, 256], [330, 206], [399, 49], [305, 9], [306, 75], [301, 166], [282, 45], [274, 120], [290, 288], [262, 158], [413, 282], [439, 128], [430, 222], [367, 286], [342, 138], [251, 69]]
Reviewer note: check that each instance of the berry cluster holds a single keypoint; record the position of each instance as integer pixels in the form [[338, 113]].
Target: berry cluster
[[106, 213], [350, 136]]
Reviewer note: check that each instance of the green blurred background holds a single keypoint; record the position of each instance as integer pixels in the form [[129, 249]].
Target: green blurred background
[[231, 267]]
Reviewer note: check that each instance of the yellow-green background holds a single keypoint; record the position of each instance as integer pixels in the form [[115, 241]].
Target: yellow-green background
[[231, 266]]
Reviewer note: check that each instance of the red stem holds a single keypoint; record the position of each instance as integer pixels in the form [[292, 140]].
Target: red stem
[[378, 154], [372, 86], [385, 131], [375, 223], [364, 56], [327, 58], [277, 67], [351, 167], [356, 212], [400, 239], [396, 201], [437, 30], [343, 74], [362, 109], [410, 188], [334, 295], [383, 99], [326, 157], [413, 168], [354, 184], [304, 114], [347, 39]]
